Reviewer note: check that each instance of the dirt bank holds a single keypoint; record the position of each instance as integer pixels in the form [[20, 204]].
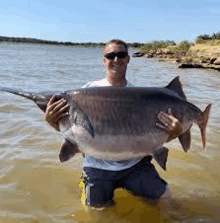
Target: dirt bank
[[197, 55]]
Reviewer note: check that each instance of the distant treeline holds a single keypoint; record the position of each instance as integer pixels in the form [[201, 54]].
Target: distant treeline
[[40, 41], [147, 46]]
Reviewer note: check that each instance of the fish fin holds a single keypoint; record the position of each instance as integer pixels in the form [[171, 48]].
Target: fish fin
[[68, 150], [175, 85], [185, 140], [203, 124], [161, 157], [77, 116]]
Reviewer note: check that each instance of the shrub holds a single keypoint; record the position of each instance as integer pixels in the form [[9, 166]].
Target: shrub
[[155, 45], [184, 45], [216, 35], [203, 38]]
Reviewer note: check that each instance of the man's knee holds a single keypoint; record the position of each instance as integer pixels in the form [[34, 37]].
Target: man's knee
[[167, 194], [97, 194]]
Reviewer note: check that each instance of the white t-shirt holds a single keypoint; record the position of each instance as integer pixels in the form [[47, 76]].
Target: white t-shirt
[[93, 162]]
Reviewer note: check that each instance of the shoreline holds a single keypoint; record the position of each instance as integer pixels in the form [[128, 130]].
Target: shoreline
[[201, 54]]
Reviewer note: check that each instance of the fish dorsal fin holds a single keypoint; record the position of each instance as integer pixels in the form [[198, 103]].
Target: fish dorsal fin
[[175, 85]]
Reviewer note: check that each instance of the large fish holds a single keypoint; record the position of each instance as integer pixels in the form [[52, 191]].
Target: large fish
[[116, 123]]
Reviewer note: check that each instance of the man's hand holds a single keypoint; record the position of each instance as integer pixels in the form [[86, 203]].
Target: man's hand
[[56, 111], [170, 124]]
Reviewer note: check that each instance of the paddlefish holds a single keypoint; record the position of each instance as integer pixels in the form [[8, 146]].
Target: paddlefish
[[119, 123]]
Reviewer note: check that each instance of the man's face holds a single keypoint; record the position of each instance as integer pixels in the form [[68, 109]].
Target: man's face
[[116, 67]]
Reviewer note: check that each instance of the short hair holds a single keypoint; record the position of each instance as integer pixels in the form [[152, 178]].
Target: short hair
[[116, 41]]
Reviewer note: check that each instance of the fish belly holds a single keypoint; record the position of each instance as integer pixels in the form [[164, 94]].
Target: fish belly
[[118, 147]]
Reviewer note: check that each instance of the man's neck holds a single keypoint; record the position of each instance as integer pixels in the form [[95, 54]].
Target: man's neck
[[117, 82]]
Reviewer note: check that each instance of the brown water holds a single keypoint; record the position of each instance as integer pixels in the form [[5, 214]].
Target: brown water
[[35, 187]]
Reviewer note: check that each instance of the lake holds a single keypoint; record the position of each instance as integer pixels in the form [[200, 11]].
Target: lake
[[36, 188]]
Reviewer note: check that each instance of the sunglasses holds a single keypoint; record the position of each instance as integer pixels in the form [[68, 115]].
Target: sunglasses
[[120, 55]]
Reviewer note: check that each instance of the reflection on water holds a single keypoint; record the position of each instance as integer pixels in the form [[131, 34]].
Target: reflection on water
[[35, 187]]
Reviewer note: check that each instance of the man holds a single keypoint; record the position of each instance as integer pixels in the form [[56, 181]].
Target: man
[[101, 177]]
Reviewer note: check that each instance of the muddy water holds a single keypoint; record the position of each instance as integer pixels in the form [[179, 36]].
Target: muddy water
[[35, 187]]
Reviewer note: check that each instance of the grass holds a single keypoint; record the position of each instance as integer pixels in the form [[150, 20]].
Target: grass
[[210, 48]]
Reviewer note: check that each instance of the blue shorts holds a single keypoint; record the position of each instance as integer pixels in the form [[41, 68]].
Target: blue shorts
[[141, 179]]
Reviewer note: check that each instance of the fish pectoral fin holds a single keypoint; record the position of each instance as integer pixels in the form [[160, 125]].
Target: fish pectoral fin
[[185, 140], [68, 150], [161, 157]]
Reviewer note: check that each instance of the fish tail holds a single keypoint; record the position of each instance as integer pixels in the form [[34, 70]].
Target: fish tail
[[203, 124]]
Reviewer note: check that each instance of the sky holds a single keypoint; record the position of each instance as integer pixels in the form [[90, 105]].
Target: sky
[[99, 21]]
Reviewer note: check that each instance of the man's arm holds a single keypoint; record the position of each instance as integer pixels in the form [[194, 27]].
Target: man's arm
[[55, 111]]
